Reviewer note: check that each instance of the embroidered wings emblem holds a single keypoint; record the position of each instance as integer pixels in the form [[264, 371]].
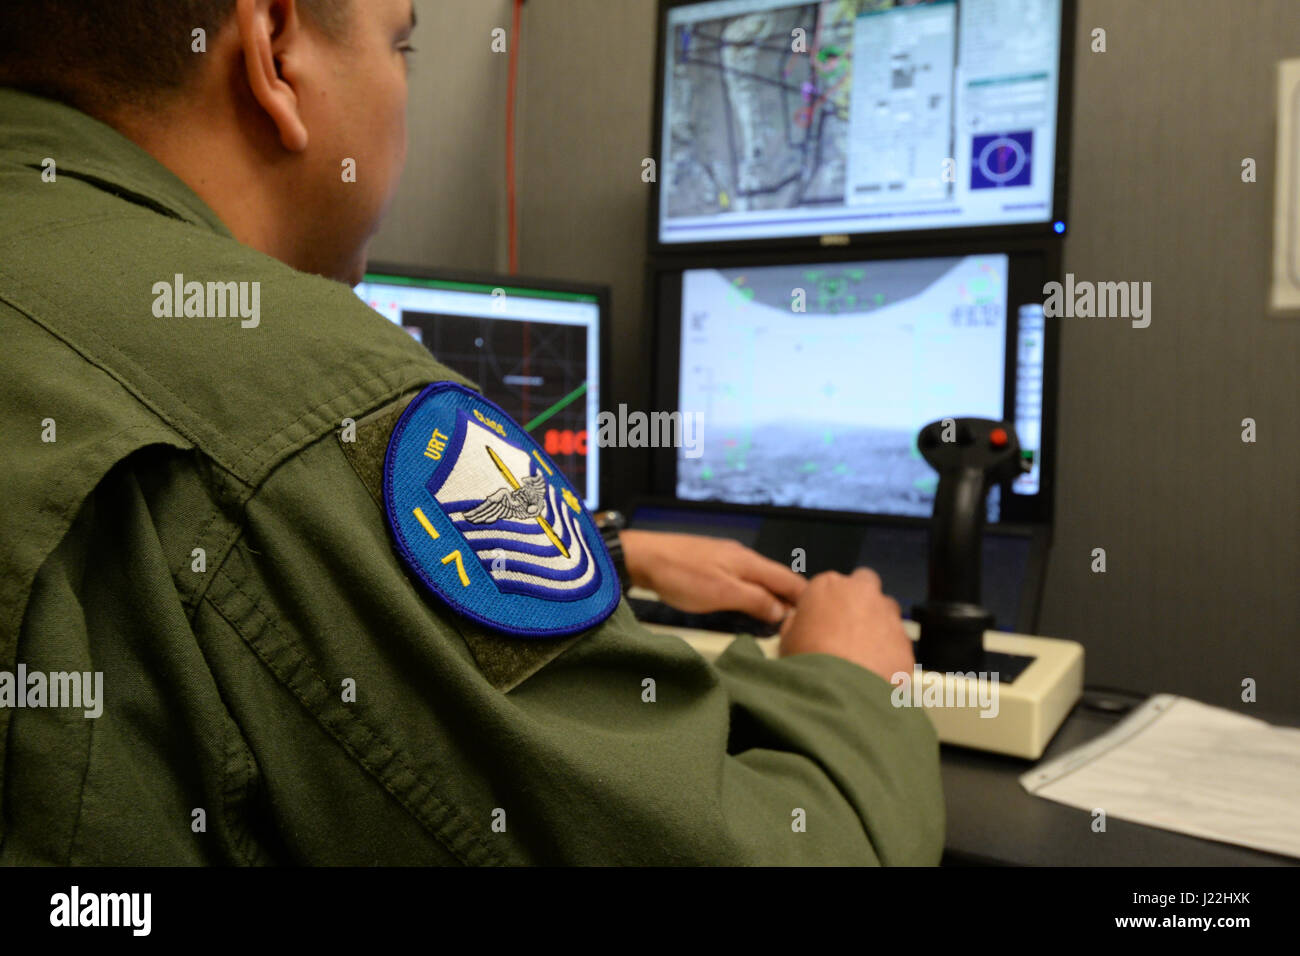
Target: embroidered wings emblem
[[526, 502]]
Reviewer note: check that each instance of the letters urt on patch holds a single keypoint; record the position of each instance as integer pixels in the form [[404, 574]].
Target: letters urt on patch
[[488, 523]]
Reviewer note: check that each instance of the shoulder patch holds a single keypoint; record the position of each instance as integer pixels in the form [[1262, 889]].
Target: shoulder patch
[[487, 521]]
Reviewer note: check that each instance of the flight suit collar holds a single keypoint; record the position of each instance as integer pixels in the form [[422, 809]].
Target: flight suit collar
[[33, 129]]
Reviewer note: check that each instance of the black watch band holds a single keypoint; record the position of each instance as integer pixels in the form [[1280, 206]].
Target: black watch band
[[610, 523]]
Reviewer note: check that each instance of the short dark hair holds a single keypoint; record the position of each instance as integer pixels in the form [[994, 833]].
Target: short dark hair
[[95, 53]]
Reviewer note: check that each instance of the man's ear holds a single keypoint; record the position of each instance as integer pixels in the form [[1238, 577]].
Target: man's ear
[[268, 29]]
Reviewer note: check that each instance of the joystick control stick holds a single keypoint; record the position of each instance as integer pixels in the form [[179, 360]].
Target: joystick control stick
[[970, 455]]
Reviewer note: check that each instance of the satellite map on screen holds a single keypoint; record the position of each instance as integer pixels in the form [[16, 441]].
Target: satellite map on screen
[[758, 114], [784, 119], [759, 107]]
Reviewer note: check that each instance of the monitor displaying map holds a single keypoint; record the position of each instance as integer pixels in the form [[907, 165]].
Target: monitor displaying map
[[844, 117]]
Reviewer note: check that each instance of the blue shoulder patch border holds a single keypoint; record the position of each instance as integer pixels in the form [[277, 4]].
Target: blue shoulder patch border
[[488, 523]]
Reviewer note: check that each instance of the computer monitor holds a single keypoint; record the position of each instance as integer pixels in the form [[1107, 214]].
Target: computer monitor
[[811, 380], [535, 347], [855, 121]]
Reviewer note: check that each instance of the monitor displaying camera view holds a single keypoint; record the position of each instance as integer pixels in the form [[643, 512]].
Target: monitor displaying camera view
[[813, 381]]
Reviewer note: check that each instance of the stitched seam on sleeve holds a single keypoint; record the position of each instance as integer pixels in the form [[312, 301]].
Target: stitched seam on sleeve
[[405, 374], [331, 725], [237, 788]]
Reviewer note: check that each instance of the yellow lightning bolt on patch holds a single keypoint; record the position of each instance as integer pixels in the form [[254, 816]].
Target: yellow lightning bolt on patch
[[510, 479]]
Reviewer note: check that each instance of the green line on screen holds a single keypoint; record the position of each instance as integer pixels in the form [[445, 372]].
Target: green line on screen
[[383, 278], [563, 403]]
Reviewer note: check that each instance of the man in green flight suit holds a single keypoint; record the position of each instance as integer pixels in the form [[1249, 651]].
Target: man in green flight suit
[[210, 650]]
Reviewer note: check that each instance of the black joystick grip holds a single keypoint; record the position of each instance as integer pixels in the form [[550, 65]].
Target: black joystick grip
[[970, 455]]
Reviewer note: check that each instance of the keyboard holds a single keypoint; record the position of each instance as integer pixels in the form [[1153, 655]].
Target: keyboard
[[727, 622]]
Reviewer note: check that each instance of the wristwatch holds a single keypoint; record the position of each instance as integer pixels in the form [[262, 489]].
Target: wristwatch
[[610, 523]]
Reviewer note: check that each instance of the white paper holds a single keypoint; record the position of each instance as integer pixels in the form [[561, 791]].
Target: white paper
[[1285, 292], [1181, 765]]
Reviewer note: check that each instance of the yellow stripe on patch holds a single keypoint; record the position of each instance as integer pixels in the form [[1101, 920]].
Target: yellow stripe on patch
[[542, 463], [514, 483], [501, 467], [460, 567], [551, 534], [424, 523]]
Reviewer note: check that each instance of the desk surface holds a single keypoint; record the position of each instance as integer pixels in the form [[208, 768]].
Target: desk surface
[[993, 820]]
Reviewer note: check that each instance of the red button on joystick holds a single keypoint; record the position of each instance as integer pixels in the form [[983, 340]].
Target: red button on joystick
[[998, 438]]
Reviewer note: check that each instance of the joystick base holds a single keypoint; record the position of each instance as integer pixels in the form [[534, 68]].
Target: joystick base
[[1030, 706]]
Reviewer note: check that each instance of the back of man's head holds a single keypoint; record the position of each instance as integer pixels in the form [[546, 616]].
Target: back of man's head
[[99, 55], [286, 116]]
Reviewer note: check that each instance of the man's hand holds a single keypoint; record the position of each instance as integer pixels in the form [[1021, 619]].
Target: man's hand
[[850, 618], [700, 574]]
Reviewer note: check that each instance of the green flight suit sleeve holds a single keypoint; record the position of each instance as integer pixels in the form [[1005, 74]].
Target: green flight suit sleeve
[[749, 761], [324, 646], [883, 760], [316, 706]]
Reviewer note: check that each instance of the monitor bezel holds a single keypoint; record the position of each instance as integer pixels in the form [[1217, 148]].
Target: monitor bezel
[[867, 241], [1031, 264], [376, 270]]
